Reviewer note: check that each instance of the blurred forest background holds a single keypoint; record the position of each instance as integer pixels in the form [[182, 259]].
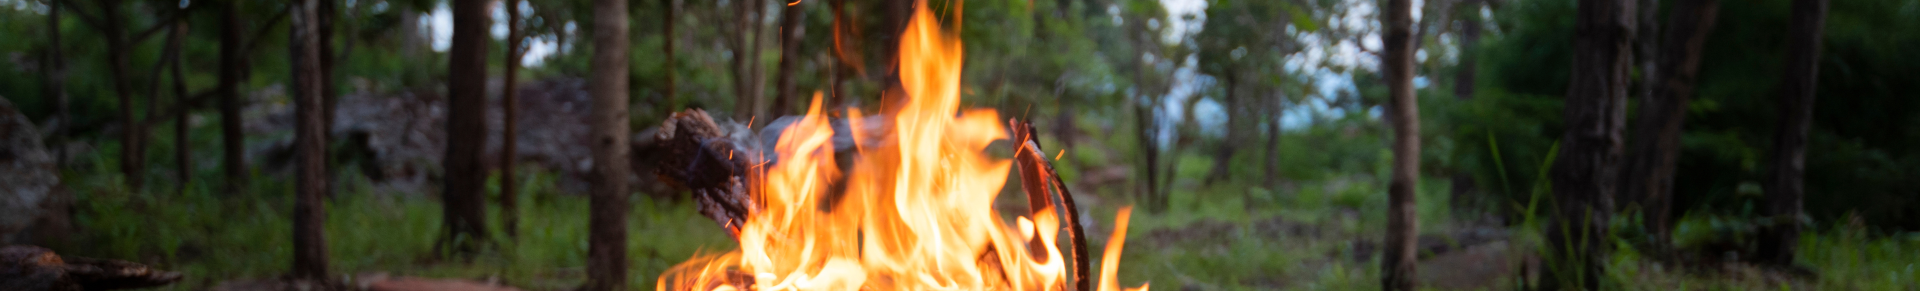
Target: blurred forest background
[[1256, 137]]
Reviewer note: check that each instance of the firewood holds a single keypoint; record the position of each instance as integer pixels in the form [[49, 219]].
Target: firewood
[[695, 153], [1037, 176]]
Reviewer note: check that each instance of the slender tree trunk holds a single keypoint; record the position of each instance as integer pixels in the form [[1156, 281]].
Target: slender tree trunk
[[57, 81], [757, 70], [1586, 169], [309, 236], [131, 154], [328, 94], [1272, 121], [743, 52], [1645, 48], [1223, 154], [1402, 228], [465, 210], [1144, 118], [1462, 181], [232, 138], [1655, 150], [607, 240], [1786, 188], [1463, 80], [168, 54], [182, 155], [672, 63], [509, 109], [790, 33]]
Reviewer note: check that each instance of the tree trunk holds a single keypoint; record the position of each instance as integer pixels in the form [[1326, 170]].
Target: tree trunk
[[1655, 152], [56, 70], [1645, 47], [1223, 154], [757, 69], [1463, 80], [329, 96], [1785, 189], [607, 240], [1272, 121], [673, 16], [131, 146], [232, 137], [790, 33], [1402, 229], [309, 236], [182, 154], [509, 110], [169, 54], [743, 51], [465, 210], [1586, 168]]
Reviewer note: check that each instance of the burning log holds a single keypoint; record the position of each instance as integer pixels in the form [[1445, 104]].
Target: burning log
[[1036, 176], [715, 164], [695, 153], [25, 267]]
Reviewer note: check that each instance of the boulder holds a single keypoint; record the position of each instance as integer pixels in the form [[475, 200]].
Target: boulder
[[28, 178]]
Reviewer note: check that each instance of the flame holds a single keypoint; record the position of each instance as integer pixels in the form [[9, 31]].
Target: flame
[[917, 209]]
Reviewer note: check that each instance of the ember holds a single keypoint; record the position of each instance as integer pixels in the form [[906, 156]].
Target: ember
[[917, 209]]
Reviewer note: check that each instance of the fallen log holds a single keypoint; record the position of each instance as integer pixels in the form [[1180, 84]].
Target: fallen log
[[32, 268]]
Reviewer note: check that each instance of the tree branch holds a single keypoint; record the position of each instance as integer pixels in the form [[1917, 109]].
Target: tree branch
[[254, 42], [89, 19]]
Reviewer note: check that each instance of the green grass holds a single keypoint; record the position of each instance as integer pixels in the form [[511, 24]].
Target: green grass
[[213, 237], [1218, 237]]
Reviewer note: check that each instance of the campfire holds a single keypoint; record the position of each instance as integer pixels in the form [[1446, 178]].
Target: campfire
[[913, 211]]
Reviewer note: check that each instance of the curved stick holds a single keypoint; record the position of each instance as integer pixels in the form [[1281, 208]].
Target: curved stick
[[1036, 175]]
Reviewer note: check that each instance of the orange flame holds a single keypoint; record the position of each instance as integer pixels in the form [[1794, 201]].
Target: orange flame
[[917, 209]]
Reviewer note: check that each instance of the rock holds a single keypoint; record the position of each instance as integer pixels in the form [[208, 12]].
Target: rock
[[30, 181]]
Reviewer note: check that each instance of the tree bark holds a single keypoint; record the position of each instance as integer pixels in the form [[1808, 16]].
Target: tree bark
[[56, 70], [1786, 188], [757, 70], [1463, 80], [309, 237], [743, 52], [131, 146], [790, 33], [168, 54], [329, 96], [232, 137], [1273, 177], [1402, 229], [509, 110], [1655, 151], [673, 16], [465, 210], [1223, 154], [182, 154], [1585, 171], [607, 239]]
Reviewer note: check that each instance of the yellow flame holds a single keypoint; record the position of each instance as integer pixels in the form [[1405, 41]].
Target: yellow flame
[[916, 212]]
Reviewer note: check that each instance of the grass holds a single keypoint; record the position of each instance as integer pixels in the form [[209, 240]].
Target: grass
[[1222, 237]]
